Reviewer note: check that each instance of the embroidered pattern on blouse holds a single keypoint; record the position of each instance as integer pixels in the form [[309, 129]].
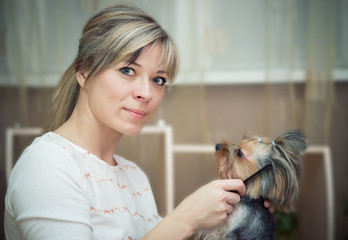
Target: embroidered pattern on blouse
[[125, 209], [120, 186]]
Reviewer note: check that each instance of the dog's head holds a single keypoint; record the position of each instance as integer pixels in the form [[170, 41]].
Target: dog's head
[[278, 183]]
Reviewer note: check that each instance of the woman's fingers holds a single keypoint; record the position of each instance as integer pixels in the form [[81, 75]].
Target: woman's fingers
[[229, 208], [233, 185], [210, 205], [268, 204], [232, 198]]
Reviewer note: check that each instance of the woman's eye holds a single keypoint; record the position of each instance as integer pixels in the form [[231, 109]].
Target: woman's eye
[[160, 81], [127, 71], [240, 153]]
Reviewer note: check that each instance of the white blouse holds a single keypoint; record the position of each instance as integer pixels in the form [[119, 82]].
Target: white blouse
[[58, 190]]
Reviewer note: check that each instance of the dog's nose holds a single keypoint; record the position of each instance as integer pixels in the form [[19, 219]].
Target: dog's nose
[[218, 147]]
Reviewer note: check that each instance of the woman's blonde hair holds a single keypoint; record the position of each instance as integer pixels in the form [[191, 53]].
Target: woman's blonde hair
[[116, 34]]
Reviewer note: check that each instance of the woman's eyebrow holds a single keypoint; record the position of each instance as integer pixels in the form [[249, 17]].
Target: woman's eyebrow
[[135, 63], [139, 65], [162, 71]]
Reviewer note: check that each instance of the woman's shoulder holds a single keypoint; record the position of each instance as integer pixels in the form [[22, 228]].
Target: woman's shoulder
[[47, 146], [45, 156]]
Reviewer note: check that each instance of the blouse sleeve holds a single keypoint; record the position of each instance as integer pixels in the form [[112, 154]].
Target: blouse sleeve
[[46, 198]]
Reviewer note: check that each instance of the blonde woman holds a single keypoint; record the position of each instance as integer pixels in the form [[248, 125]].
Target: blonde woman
[[69, 184]]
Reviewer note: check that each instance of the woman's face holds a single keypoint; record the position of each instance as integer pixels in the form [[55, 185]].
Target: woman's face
[[123, 97]]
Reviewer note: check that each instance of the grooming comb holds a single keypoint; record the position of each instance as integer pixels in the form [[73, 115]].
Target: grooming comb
[[254, 175]]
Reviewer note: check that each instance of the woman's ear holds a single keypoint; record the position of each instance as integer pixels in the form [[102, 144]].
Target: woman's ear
[[81, 77]]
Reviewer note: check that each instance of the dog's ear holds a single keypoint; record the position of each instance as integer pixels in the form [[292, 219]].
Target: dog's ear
[[292, 144], [288, 148]]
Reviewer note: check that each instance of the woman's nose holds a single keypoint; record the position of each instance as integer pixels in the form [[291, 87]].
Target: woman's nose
[[142, 91]]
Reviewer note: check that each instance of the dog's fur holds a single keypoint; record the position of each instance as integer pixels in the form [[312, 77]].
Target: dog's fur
[[279, 184]]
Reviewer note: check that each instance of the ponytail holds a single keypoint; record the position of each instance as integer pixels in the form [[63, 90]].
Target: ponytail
[[64, 99]]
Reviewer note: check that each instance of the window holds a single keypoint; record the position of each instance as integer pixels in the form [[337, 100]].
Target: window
[[220, 41]]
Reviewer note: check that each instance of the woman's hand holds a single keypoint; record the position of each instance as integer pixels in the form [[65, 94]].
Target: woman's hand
[[210, 204], [268, 204], [206, 207]]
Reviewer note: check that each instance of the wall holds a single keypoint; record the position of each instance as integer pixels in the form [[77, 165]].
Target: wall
[[203, 115]]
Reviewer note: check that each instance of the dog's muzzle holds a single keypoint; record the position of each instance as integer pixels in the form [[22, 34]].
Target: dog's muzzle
[[218, 147]]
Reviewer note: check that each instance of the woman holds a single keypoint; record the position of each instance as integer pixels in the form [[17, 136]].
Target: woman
[[68, 184]]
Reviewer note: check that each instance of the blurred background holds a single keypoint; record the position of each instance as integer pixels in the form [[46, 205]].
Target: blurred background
[[248, 67]]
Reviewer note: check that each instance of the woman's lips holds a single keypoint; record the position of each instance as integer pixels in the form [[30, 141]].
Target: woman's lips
[[138, 114]]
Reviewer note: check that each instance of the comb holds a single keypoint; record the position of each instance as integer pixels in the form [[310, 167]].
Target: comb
[[254, 175]]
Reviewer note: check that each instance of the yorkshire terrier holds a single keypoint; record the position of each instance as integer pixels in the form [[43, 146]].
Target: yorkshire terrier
[[270, 170]]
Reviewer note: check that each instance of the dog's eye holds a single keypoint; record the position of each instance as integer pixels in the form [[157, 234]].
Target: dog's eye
[[240, 153]]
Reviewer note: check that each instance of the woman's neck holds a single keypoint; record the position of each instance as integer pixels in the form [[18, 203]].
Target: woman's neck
[[91, 136]]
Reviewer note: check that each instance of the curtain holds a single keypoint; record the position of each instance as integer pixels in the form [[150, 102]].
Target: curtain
[[321, 50]]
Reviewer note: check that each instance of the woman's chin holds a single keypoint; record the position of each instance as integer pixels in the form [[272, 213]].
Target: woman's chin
[[132, 130]]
